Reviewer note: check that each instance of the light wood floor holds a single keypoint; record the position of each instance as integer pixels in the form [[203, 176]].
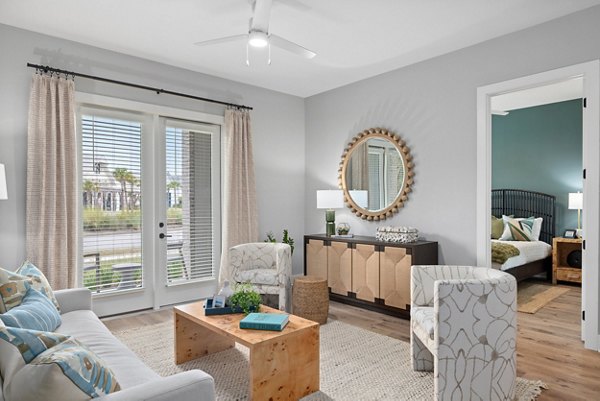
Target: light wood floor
[[548, 343]]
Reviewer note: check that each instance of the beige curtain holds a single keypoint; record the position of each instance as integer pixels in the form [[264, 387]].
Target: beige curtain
[[240, 216], [52, 227]]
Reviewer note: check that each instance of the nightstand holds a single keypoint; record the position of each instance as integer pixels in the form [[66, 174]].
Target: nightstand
[[564, 266]]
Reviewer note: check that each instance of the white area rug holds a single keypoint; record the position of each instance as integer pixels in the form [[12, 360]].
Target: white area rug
[[356, 364]]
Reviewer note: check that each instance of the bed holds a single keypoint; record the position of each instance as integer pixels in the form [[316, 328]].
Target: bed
[[536, 256]]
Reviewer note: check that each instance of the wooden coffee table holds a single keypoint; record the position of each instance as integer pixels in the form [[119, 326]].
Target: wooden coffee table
[[284, 365]]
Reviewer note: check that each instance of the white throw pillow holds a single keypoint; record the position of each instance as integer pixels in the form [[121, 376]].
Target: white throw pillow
[[535, 234]]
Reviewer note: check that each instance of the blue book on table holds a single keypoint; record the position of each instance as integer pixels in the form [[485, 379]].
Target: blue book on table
[[264, 321]]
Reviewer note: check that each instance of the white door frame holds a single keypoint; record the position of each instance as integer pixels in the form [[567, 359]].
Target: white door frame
[[590, 72]]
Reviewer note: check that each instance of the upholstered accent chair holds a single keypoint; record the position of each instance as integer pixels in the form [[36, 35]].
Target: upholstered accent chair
[[464, 328], [265, 265]]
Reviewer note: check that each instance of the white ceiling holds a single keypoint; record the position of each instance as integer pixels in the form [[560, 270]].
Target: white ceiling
[[547, 94], [354, 39]]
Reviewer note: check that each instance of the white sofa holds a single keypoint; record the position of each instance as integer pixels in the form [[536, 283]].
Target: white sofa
[[138, 382]]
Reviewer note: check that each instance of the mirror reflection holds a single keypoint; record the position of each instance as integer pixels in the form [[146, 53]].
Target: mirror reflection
[[375, 174]]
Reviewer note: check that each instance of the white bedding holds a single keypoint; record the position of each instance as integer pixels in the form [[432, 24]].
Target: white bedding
[[530, 251]]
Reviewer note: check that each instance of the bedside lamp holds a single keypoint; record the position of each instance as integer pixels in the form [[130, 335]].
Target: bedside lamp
[[3, 191], [576, 202], [330, 199]]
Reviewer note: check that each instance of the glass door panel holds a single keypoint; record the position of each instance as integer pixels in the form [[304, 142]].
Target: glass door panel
[[192, 211]]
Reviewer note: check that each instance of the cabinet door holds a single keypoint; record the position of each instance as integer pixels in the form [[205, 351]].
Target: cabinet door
[[395, 277], [365, 272], [339, 268], [316, 258]]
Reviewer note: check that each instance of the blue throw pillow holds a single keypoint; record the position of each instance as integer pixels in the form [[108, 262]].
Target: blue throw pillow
[[36, 312]]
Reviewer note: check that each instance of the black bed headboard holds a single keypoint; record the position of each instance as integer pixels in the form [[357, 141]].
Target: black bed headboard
[[521, 203]]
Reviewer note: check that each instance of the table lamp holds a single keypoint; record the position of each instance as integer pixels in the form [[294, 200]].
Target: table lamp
[[3, 191], [576, 202], [330, 199]]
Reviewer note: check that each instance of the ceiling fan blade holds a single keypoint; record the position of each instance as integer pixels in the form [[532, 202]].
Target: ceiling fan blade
[[292, 47], [222, 40], [261, 16]]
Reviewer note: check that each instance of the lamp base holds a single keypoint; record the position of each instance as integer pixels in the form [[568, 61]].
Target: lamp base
[[330, 222]]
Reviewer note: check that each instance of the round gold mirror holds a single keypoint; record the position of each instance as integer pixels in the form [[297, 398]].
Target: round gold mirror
[[376, 174]]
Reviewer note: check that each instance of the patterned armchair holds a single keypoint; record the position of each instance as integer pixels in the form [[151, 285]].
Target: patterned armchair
[[267, 266], [464, 328]]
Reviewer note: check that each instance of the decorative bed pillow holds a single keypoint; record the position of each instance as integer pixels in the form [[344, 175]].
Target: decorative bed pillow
[[13, 287], [38, 280], [40, 365], [497, 227], [517, 229], [36, 312]]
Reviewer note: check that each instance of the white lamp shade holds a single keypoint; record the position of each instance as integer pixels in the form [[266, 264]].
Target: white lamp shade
[[360, 197], [3, 191], [576, 200], [330, 199]]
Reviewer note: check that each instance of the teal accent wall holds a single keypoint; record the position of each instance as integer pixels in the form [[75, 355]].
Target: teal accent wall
[[540, 149]]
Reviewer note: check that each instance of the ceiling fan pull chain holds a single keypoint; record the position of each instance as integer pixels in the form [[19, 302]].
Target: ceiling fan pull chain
[[269, 61], [247, 57]]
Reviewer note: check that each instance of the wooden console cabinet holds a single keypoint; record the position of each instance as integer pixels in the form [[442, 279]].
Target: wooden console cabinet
[[364, 272]]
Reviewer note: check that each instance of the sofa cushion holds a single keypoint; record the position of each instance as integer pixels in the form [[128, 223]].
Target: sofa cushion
[[38, 281], [89, 330], [36, 312]]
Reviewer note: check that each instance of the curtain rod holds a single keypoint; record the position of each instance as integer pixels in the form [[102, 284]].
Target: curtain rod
[[46, 69]]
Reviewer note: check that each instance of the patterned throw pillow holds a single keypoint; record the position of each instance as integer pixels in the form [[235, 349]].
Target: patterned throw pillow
[[38, 281], [517, 229], [13, 287], [36, 312], [40, 365]]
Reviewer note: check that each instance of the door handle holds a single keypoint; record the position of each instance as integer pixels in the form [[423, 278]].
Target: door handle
[[163, 235]]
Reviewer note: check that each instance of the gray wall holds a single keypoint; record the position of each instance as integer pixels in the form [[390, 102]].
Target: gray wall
[[432, 105], [540, 149], [277, 121]]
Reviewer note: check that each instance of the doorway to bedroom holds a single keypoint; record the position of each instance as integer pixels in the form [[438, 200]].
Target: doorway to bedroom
[[537, 154], [537, 180]]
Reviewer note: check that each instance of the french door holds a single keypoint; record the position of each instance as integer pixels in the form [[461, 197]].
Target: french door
[[150, 205], [189, 210]]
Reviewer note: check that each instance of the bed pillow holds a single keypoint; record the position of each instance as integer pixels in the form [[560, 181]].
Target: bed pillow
[[517, 229], [39, 365], [38, 280], [537, 228], [497, 227], [36, 312]]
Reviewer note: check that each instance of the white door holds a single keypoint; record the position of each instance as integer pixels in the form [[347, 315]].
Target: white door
[[117, 252], [189, 214]]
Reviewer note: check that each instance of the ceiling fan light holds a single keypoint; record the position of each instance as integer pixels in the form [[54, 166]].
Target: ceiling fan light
[[258, 39]]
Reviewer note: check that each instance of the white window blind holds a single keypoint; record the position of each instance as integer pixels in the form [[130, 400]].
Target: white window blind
[[189, 204], [112, 202], [376, 195]]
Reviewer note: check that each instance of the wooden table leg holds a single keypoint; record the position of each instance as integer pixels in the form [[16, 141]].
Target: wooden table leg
[[286, 368], [193, 340]]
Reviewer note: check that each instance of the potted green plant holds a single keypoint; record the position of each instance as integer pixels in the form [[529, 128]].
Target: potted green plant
[[286, 239], [245, 298]]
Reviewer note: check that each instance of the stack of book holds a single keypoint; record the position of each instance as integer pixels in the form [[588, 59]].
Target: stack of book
[[264, 321]]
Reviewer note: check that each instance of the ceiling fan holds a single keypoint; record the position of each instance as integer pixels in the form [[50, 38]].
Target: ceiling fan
[[259, 36]]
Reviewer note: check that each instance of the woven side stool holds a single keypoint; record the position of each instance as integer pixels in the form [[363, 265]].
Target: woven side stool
[[311, 298]]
